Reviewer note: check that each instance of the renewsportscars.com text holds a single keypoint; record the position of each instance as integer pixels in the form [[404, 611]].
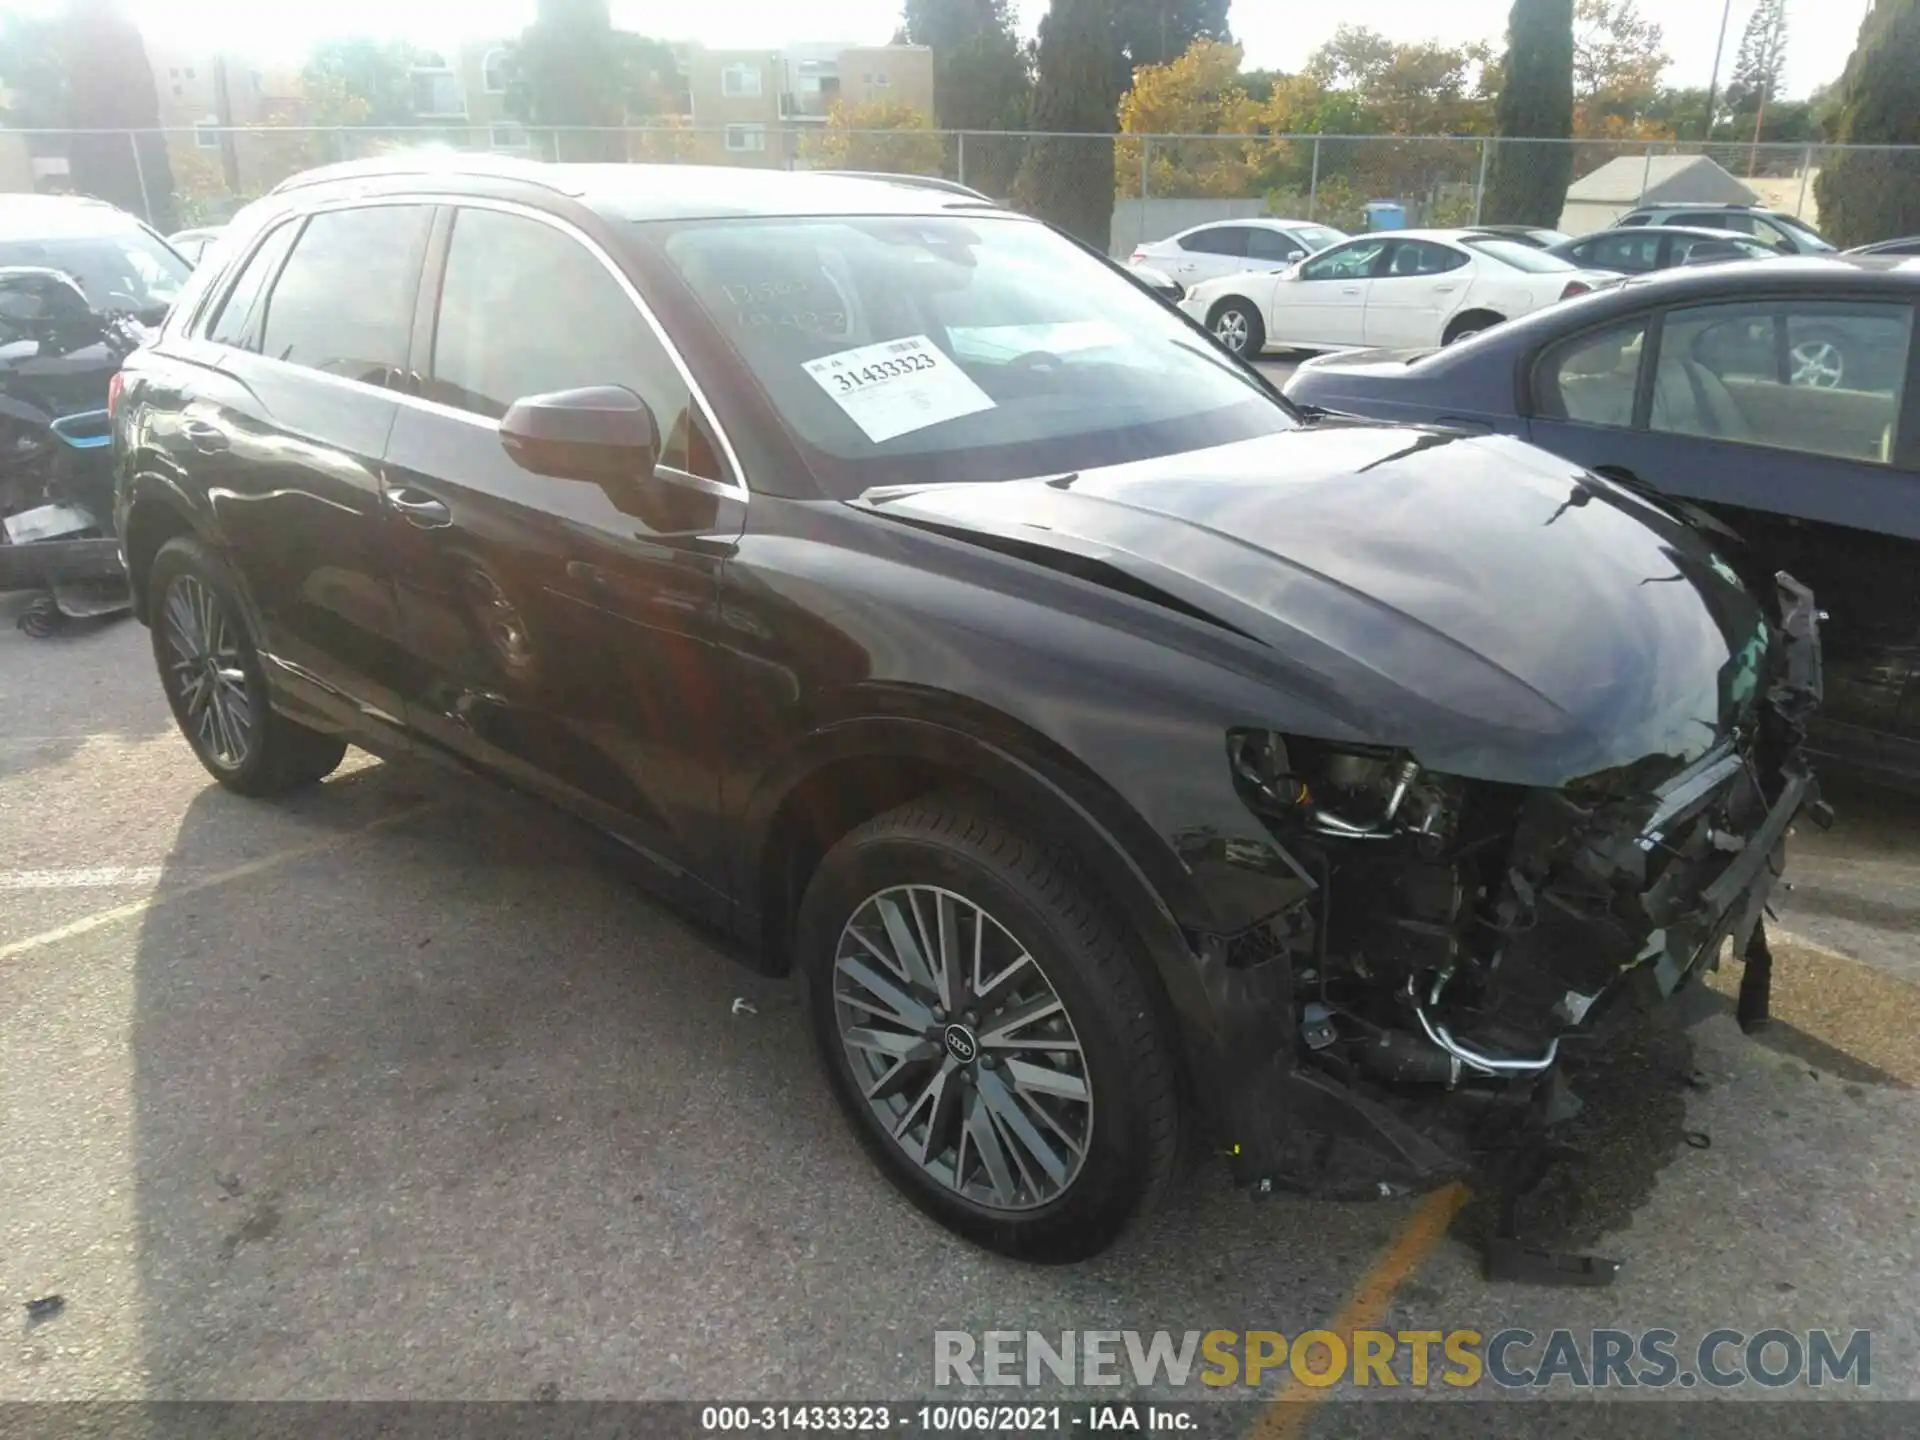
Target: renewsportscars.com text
[[1460, 1358]]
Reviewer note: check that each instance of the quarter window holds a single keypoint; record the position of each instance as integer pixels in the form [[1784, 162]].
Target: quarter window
[[527, 310], [344, 302], [1821, 378], [1591, 379]]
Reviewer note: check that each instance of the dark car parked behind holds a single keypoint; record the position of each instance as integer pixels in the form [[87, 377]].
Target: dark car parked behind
[[1781, 232], [1779, 397], [1116, 758], [1642, 251]]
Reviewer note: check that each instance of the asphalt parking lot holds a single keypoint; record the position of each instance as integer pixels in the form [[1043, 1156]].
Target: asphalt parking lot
[[401, 1090]]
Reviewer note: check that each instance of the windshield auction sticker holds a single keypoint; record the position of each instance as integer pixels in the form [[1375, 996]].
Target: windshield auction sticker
[[898, 386]]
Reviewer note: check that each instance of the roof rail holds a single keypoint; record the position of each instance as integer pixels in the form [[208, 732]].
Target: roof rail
[[431, 162]]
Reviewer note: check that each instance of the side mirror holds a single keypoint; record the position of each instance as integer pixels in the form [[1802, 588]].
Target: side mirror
[[1295, 256], [601, 434]]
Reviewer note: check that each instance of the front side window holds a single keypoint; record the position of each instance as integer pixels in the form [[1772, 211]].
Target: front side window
[[344, 301], [526, 309], [1264, 244], [1353, 261], [1633, 253], [1819, 377], [1217, 240], [1591, 379], [238, 321], [931, 348]]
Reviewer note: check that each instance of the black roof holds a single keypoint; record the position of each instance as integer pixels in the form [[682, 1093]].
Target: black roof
[[656, 192], [1703, 232]]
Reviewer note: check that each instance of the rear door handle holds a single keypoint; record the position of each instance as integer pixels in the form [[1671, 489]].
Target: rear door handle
[[419, 510], [1443, 289], [205, 436], [1354, 290]]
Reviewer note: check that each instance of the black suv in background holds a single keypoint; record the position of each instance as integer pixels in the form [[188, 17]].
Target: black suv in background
[[1115, 756], [1782, 232]]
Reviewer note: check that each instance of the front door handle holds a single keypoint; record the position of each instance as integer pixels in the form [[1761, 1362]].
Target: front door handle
[[1443, 289], [205, 437], [419, 510], [1353, 290]]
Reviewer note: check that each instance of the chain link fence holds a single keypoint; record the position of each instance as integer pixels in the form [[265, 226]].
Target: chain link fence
[[1151, 186]]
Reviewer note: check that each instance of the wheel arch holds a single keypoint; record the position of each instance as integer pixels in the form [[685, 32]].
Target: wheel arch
[[849, 771], [154, 511], [1477, 317]]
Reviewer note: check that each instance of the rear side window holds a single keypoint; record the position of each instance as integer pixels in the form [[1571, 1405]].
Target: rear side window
[[526, 309], [1818, 377], [237, 323], [1419, 257], [1217, 240], [343, 304], [1591, 379]]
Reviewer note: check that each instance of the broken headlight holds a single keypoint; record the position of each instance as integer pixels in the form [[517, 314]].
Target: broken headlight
[[1343, 792]]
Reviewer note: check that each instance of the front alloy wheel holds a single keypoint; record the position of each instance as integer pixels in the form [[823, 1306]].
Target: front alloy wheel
[[962, 1048], [205, 673]]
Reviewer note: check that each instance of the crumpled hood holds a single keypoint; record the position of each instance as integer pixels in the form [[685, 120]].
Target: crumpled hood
[[1477, 600]]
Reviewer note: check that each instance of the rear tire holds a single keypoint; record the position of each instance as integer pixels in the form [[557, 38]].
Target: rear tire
[[1469, 325], [1238, 328], [211, 673], [1101, 1103]]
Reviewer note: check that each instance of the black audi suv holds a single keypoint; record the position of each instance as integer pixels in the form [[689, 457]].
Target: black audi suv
[[1119, 759]]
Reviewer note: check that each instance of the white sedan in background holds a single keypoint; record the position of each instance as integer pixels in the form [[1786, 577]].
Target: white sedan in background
[[1391, 290], [1227, 247]]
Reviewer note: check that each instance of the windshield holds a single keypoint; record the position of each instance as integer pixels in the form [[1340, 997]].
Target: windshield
[[1814, 239], [128, 272], [1520, 256], [932, 349], [1318, 237]]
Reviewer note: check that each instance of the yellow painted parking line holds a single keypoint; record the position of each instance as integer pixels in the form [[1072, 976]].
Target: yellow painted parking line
[[15, 948], [1287, 1414]]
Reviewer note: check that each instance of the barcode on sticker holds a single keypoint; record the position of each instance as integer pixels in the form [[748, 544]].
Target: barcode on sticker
[[900, 347]]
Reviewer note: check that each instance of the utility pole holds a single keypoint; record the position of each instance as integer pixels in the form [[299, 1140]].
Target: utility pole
[[1713, 85]]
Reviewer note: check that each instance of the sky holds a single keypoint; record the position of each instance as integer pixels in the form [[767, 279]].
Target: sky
[[1277, 34]]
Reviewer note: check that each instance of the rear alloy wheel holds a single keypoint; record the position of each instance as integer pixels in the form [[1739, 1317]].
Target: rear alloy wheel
[[1817, 363], [213, 681], [1237, 326], [987, 1032]]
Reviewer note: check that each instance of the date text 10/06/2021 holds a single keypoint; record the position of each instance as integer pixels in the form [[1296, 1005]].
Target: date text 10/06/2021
[[951, 1419]]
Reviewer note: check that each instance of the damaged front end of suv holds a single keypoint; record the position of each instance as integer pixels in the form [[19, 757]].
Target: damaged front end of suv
[[1452, 935]]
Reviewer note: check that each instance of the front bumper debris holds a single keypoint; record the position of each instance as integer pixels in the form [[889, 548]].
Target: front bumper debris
[[1438, 969]]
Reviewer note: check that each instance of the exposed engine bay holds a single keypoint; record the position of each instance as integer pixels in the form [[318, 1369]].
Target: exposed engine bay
[[1459, 932]]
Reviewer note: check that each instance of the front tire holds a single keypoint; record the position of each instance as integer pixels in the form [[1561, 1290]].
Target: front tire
[[987, 1032], [214, 683], [1238, 328]]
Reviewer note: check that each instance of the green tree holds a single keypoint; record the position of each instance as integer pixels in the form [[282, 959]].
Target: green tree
[[110, 88], [33, 72], [376, 73], [1084, 62], [1422, 88], [1618, 59], [570, 80], [1760, 64], [1872, 195], [980, 79], [1528, 184], [884, 136]]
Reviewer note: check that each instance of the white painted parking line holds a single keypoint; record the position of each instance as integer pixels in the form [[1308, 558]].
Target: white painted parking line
[[100, 877], [174, 892]]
